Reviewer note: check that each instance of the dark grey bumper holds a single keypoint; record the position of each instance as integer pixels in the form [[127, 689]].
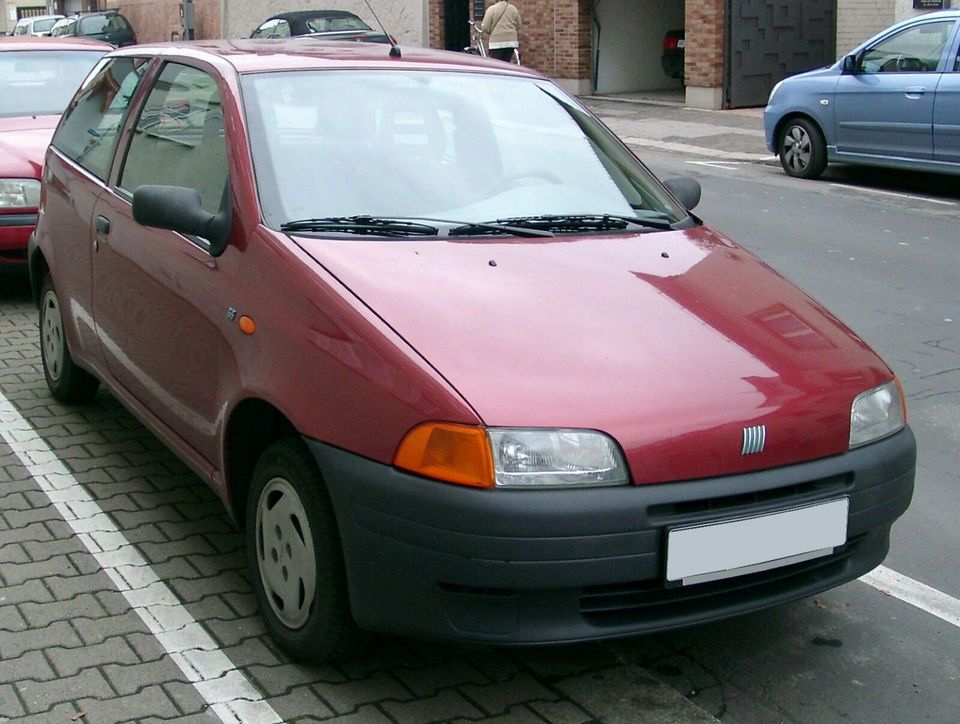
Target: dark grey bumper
[[524, 566]]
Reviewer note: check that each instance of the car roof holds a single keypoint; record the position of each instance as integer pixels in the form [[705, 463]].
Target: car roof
[[301, 14], [33, 18], [27, 42], [252, 55]]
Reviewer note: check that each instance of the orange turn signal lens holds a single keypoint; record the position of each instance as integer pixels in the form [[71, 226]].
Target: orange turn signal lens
[[444, 451]]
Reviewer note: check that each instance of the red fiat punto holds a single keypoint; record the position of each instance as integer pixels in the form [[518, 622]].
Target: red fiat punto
[[457, 362], [38, 76]]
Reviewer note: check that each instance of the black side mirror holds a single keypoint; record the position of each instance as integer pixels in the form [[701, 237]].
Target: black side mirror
[[686, 189], [179, 209], [851, 64]]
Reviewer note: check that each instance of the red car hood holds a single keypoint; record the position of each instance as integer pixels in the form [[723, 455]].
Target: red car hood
[[671, 342], [23, 143]]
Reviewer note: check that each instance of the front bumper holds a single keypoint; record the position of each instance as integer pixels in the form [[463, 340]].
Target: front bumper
[[15, 230], [527, 566]]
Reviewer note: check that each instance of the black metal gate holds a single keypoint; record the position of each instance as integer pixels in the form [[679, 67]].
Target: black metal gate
[[767, 41]]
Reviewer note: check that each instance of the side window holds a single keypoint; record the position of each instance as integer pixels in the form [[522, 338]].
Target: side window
[[179, 139], [276, 28], [91, 124], [914, 50]]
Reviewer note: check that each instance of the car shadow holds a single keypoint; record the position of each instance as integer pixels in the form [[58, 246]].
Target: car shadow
[[933, 185]]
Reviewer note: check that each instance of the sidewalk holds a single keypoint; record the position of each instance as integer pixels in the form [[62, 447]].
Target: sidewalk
[[734, 135]]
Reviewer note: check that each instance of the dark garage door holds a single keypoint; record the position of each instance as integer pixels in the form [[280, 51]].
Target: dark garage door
[[770, 40]]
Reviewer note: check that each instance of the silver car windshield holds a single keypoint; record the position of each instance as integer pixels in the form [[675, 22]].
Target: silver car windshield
[[444, 145]]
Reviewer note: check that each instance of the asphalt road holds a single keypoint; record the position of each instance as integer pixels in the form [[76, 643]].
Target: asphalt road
[[71, 644]]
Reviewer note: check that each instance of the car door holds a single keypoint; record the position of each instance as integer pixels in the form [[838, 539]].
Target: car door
[[75, 176], [946, 112], [885, 107], [158, 295]]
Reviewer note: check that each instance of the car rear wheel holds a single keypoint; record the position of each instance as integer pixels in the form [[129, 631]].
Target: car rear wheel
[[67, 382], [802, 150], [294, 552]]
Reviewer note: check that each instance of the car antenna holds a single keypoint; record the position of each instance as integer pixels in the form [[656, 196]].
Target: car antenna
[[394, 48]]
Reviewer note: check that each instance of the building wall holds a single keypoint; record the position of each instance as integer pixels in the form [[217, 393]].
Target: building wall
[[158, 21], [858, 20]]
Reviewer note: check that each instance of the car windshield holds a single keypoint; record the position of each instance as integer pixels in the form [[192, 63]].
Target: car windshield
[[41, 82], [41, 26], [459, 147]]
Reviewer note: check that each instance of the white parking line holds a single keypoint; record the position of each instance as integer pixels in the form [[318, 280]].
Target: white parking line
[[915, 593], [229, 694], [911, 197], [722, 165]]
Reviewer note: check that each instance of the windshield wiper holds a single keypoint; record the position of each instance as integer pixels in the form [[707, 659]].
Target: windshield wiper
[[585, 222], [366, 225], [496, 227]]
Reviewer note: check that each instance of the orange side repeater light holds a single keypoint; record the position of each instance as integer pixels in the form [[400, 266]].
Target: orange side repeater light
[[247, 325], [449, 452]]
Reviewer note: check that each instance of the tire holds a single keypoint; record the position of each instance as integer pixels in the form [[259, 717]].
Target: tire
[[295, 557], [802, 150], [68, 383]]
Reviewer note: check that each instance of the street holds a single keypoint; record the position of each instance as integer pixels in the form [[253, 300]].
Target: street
[[879, 249]]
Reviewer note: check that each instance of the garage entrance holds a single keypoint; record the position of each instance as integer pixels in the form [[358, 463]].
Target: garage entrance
[[627, 44], [767, 41]]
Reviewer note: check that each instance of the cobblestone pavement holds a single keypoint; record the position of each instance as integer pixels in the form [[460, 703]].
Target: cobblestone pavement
[[74, 648]]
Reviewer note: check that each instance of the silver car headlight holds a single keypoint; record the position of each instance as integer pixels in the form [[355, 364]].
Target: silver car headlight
[[877, 413], [525, 458], [19, 193]]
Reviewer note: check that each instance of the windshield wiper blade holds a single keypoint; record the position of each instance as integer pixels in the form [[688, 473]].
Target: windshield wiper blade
[[496, 227], [371, 225], [585, 222]]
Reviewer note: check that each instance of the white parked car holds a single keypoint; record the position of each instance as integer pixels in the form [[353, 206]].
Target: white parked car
[[38, 26]]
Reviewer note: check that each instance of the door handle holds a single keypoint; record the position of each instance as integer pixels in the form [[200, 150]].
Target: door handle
[[102, 225], [914, 91]]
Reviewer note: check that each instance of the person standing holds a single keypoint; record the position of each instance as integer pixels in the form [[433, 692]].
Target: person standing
[[501, 22]]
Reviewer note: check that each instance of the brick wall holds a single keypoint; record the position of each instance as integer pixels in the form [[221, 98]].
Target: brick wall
[[704, 23], [554, 36]]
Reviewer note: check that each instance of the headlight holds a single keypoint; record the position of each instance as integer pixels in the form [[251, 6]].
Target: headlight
[[19, 193], [524, 458], [511, 457], [876, 413]]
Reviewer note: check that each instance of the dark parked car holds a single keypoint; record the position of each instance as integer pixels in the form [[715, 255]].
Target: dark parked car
[[108, 26], [457, 362], [894, 101], [329, 24], [673, 53], [38, 77]]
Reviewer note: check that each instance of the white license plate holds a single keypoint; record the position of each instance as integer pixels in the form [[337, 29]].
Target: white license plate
[[722, 550]]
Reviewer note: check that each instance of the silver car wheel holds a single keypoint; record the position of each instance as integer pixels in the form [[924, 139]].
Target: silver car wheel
[[286, 558], [52, 335], [797, 149]]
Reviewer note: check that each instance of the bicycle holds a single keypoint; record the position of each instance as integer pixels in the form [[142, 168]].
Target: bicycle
[[477, 47]]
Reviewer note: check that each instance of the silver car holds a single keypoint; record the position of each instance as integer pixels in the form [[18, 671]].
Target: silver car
[[894, 101]]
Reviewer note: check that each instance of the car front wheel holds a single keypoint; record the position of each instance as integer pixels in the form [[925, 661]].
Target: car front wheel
[[802, 150], [67, 382], [294, 552]]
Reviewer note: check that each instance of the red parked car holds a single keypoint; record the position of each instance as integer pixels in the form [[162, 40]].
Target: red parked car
[[37, 79], [456, 361]]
